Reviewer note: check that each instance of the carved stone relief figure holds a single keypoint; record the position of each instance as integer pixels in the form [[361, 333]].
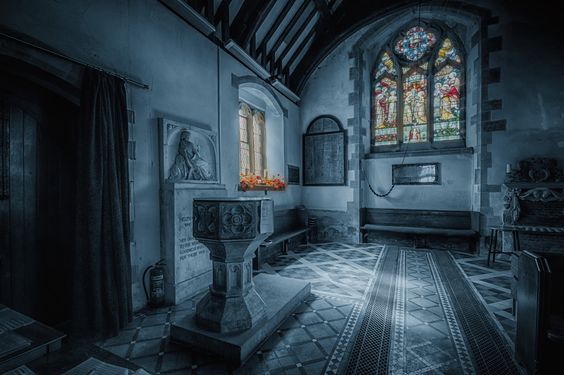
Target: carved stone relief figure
[[512, 209], [236, 271], [220, 275], [188, 164], [249, 272]]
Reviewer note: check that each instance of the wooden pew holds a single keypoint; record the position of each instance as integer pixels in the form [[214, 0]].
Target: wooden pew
[[539, 341]]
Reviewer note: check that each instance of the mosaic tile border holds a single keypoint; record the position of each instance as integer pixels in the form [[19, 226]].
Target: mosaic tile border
[[345, 338], [456, 334], [485, 342], [369, 351], [398, 338]]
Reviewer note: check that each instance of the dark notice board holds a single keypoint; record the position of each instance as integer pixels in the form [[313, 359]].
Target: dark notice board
[[293, 175], [324, 153]]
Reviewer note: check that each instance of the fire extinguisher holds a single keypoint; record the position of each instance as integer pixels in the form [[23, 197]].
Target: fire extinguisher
[[155, 296]]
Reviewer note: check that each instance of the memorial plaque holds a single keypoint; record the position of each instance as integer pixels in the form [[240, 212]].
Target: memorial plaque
[[416, 174], [293, 175], [188, 269], [324, 153]]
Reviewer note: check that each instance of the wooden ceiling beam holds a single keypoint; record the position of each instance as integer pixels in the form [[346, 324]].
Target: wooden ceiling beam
[[221, 17], [262, 46], [245, 18], [300, 48], [257, 21], [297, 34], [220, 12], [284, 34]]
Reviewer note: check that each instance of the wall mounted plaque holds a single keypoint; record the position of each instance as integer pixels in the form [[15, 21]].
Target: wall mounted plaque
[[189, 153], [324, 153], [416, 174], [293, 175]]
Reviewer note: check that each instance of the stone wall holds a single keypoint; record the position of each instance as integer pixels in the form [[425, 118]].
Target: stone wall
[[514, 107], [190, 80]]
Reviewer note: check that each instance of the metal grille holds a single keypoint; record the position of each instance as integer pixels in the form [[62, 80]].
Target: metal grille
[[4, 149], [370, 348], [490, 352]]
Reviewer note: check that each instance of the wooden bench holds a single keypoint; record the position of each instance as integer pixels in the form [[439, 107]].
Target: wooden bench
[[539, 338], [289, 225], [457, 230]]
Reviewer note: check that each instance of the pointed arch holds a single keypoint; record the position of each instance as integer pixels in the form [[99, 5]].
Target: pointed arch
[[419, 76]]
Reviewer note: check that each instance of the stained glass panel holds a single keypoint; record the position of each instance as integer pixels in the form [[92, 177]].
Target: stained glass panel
[[415, 108], [415, 43], [244, 147], [385, 112], [386, 66], [446, 104], [447, 52], [258, 122]]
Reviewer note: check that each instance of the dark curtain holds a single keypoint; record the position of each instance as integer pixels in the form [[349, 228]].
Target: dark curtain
[[102, 266]]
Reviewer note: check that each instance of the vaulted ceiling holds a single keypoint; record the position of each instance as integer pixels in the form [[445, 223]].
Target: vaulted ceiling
[[287, 38]]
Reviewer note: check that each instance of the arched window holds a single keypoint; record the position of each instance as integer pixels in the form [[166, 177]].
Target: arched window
[[417, 90], [252, 140]]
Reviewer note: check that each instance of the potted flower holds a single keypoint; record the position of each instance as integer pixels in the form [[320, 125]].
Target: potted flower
[[256, 182]]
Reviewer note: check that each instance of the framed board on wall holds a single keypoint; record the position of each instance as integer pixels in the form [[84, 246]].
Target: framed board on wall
[[416, 174], [324, 153], [293, 175]]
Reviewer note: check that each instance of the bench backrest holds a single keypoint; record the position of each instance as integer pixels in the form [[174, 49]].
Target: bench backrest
[[538, 297], [421, 218], [288, 219]]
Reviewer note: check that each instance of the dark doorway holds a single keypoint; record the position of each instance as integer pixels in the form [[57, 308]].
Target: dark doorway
[[36, 213]]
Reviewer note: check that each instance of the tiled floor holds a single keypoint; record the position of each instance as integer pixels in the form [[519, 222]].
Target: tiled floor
[[493, 284], [340, 276]]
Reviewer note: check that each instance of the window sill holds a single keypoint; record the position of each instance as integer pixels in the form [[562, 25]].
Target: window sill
[[415, 153], [261, 187]]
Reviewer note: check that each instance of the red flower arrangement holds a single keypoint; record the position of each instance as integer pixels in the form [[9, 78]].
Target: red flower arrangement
[[255, 182]]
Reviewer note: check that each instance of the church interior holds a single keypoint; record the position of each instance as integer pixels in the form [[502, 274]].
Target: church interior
[[281, 187]]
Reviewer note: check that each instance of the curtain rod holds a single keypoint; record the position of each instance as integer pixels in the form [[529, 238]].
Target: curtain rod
[[76, 61]]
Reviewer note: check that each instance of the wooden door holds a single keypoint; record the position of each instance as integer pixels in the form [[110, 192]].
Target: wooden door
[[36, 213], [18, 258]]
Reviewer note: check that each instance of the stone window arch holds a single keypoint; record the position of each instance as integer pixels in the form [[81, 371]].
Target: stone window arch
[[417, 90]]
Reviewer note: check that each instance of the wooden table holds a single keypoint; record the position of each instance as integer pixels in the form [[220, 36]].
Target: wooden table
[[44, 340]]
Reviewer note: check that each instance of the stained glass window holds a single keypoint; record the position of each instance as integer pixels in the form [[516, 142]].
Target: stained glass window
[[252, 135], [421, 71], [415, 43], [415, 107], [446, 104], [258, 142], [386, 65], [244, 142], [447, 52], [385, 103]]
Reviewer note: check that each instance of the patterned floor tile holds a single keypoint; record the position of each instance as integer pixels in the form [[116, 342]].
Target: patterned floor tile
[[308, 341], [493, 284]]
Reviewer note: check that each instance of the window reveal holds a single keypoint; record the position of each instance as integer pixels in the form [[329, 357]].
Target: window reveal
[[252, 135]]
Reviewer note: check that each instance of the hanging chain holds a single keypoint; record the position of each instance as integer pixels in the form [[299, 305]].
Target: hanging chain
[[393, 185], [374, 192]]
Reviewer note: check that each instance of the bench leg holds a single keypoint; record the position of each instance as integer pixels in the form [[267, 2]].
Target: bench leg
[[285, 247], [491, 246]]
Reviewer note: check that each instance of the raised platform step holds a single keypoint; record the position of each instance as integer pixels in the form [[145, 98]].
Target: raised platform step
[[420, 230], [281, 296]]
